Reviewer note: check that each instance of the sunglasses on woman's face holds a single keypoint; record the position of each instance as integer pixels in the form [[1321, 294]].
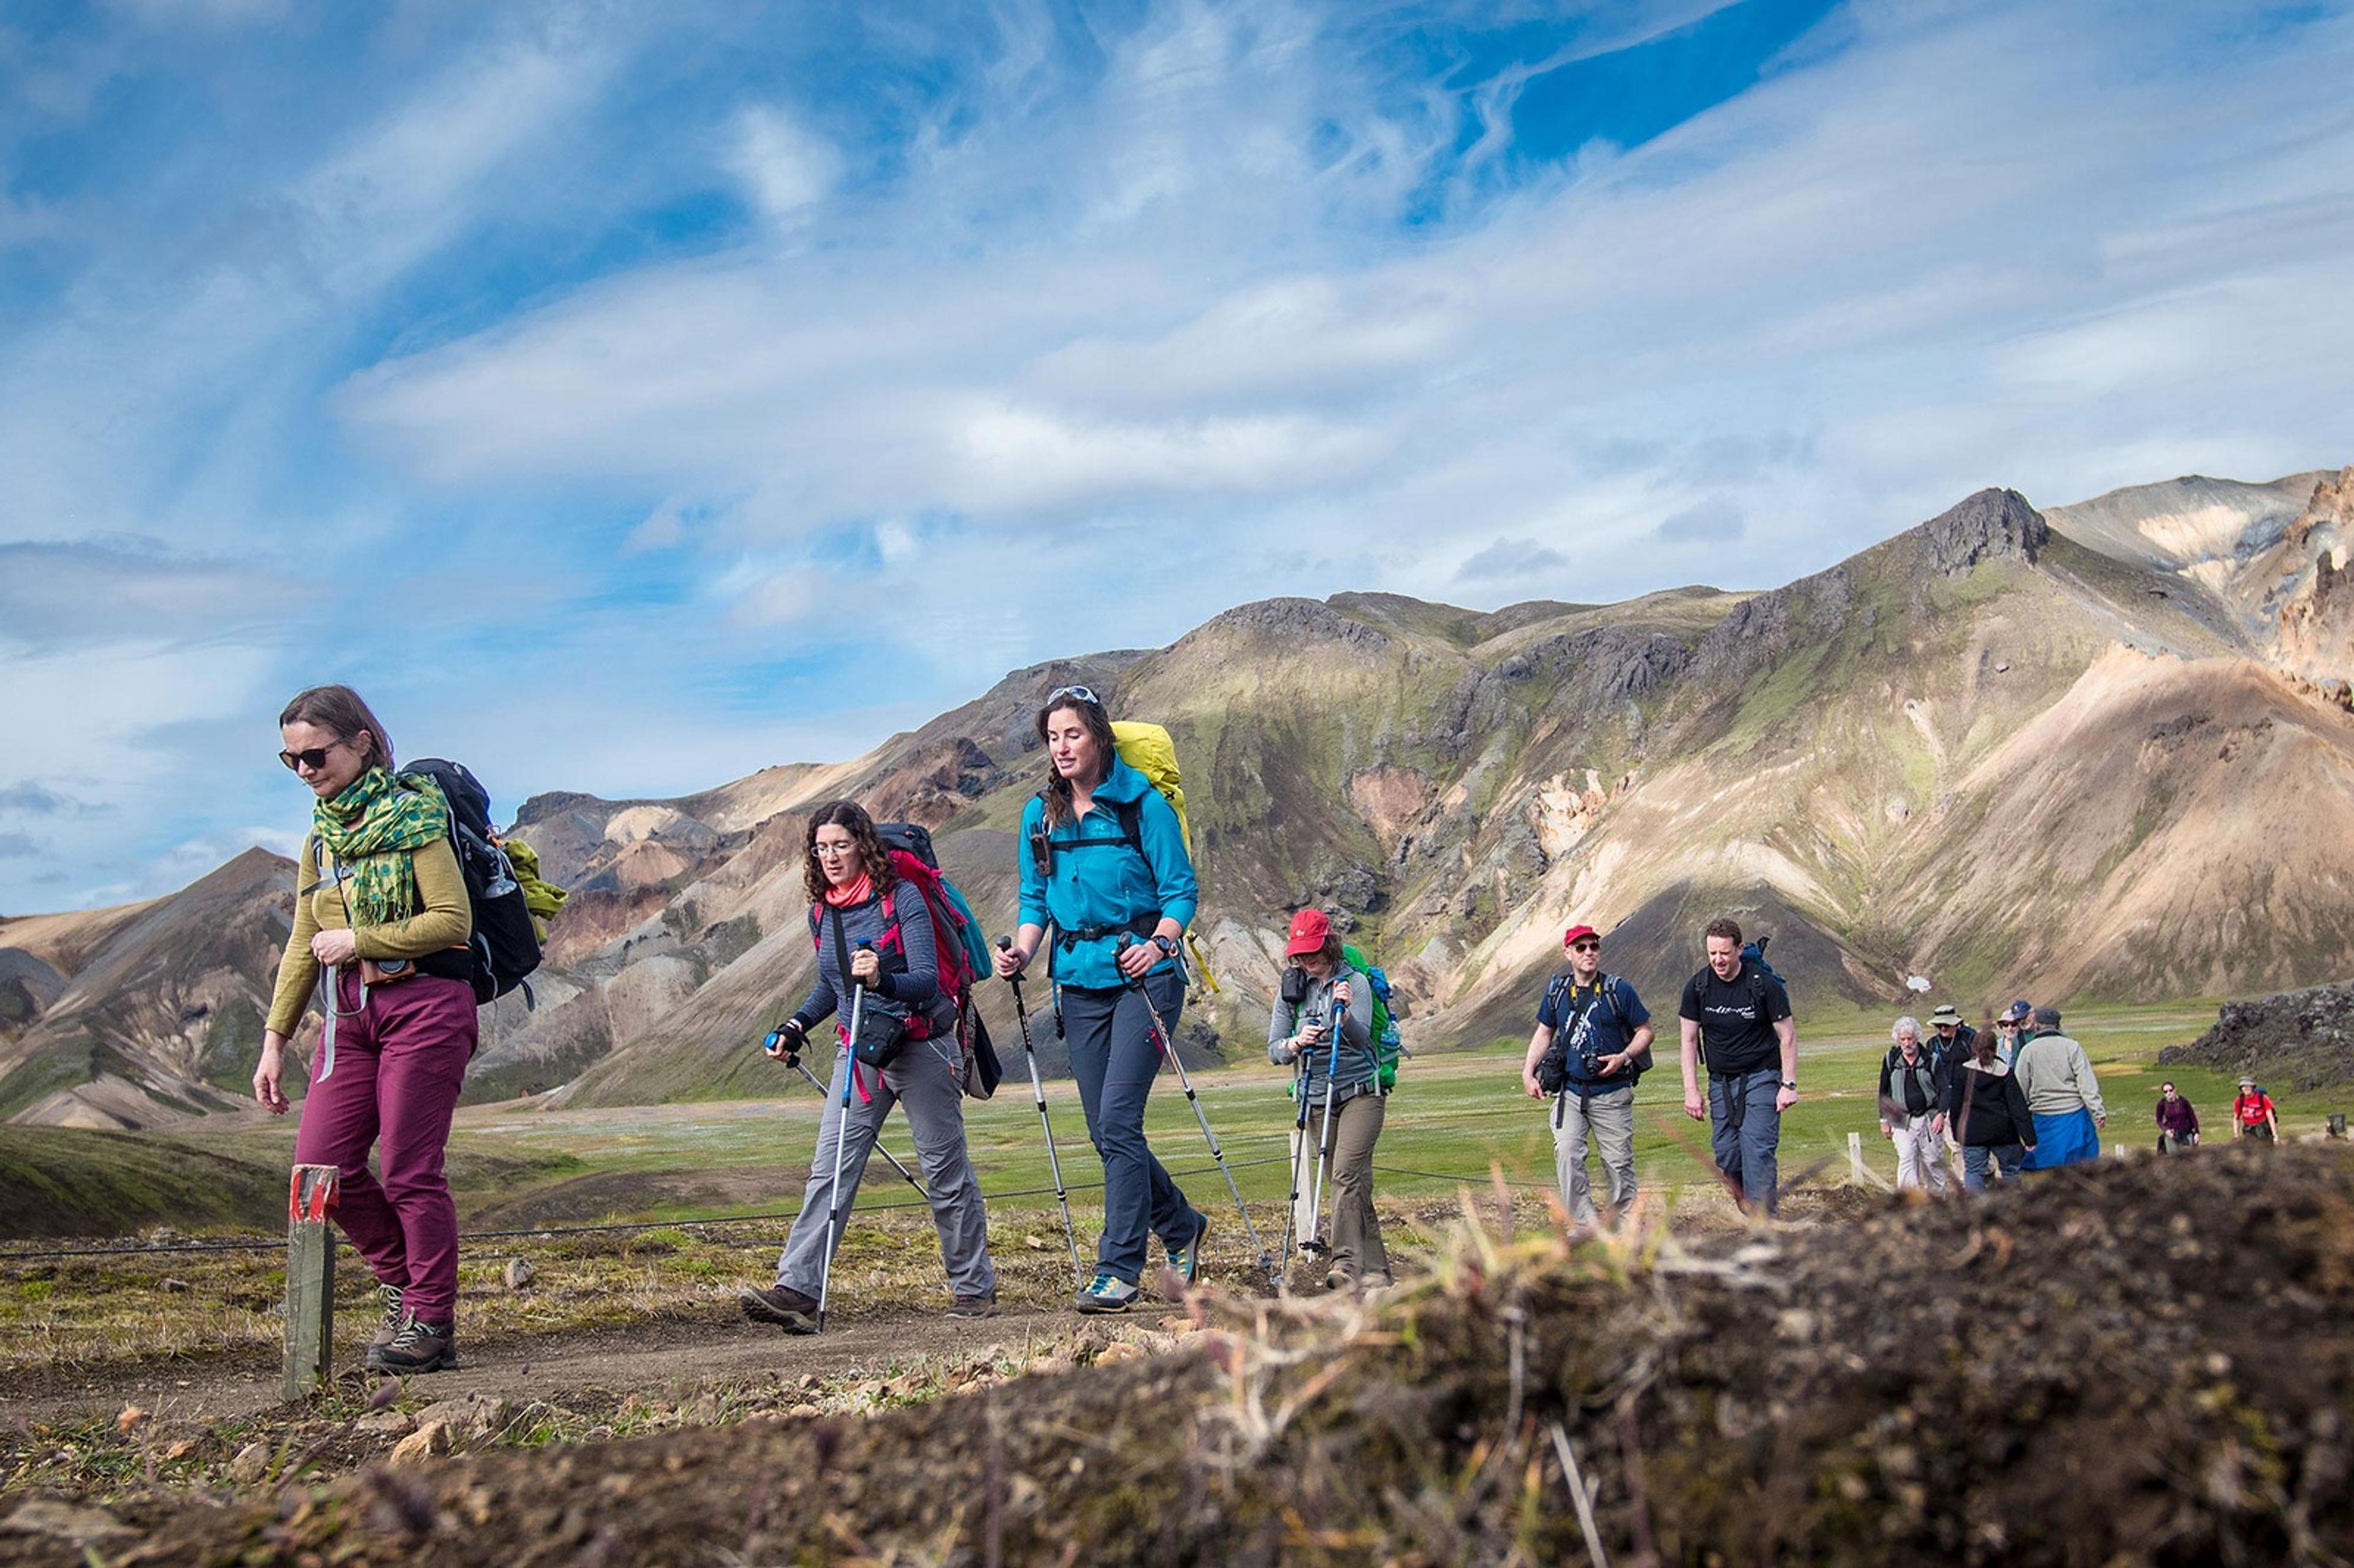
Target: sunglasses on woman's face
[[1082, 692], [313, 759]]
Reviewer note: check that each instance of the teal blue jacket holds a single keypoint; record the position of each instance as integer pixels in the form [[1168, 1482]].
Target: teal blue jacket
[[1099, 879]]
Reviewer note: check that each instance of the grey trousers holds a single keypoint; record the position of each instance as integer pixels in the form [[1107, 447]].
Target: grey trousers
[[1610, 1118], [924, 1081], [1357, 1249]]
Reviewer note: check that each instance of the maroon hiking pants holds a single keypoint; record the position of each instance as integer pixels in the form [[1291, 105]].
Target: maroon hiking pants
[[399, 1065]]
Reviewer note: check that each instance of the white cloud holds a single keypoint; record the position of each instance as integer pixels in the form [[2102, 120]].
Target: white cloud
[[784, 166], [1148, 316]]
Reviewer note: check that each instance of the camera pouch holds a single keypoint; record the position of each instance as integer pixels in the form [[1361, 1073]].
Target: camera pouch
[[881, 1036]]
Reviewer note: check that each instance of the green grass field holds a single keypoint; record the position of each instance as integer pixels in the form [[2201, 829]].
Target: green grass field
[[1455, 1116]]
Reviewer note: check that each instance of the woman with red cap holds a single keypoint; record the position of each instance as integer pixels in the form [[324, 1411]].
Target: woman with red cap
[[1319, 984]]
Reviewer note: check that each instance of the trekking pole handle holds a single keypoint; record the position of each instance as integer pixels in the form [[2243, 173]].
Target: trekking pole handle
[[1127, 941], [1005, 945]]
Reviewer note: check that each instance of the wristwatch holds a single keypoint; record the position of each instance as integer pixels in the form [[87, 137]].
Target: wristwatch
[[1791, 1084], [1168, 944]]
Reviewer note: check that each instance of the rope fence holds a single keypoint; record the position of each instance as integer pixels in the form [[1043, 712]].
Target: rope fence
[[277, 1243]]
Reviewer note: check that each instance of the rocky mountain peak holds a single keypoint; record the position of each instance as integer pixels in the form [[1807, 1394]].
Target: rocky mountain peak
[[1988, 525]]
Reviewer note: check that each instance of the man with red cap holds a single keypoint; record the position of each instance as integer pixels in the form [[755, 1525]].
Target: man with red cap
[[1593, 1041]]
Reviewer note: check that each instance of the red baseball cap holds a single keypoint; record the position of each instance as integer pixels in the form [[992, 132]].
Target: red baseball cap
[[1309, 930], [1575, 932]]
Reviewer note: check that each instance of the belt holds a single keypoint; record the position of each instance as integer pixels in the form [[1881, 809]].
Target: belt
[[1142, 925]]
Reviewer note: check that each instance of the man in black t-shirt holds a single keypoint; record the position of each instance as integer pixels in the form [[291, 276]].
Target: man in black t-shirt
[[1738, 1016]]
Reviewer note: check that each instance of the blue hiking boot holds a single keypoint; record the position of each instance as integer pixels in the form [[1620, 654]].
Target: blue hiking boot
[[1107, 1293], [1187, 1259]]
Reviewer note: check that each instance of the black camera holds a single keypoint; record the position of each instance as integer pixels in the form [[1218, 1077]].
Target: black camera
[[1295, 986], [1589, 1064]]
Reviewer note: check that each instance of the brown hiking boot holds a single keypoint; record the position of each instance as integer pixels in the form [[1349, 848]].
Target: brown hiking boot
[[419, 1347], [779, 1304], [975, 1305], [390, 1326]]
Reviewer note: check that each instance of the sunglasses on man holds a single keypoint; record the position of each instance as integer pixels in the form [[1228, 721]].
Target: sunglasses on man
[[1586, 945]]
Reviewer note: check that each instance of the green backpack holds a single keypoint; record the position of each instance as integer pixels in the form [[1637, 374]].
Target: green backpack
[[1387, 1045]]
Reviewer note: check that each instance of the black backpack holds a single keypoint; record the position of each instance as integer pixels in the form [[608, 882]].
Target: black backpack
[[1552, 1067], [506, 945]]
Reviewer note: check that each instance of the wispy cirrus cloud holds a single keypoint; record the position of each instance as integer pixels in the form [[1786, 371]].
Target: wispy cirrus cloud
[[615, 353]]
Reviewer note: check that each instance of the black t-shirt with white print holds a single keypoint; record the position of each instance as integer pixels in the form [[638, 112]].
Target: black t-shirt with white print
[[1737, 1034]]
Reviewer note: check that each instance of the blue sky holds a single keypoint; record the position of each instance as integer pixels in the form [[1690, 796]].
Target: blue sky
[[628, 398]]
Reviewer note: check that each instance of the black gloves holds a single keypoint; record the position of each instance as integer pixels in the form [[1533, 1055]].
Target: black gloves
[[786, 1042]]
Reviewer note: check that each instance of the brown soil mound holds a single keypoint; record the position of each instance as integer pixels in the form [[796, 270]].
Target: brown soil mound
[[2144, 1362], [2298, 1039]]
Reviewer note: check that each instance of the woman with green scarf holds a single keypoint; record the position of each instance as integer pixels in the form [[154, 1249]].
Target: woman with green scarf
[[380, 907]]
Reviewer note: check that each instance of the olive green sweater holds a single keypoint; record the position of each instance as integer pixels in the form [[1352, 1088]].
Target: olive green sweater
[[446, 921]]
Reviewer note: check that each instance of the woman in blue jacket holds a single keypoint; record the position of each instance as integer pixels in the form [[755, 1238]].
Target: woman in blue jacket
[[1102, 857]]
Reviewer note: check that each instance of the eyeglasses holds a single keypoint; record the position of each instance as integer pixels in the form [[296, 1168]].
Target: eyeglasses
[[832, 849], [1082, 692], [1586, 947], [313, 759]]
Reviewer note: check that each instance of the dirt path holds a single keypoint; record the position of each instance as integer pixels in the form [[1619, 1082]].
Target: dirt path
[[653, 1357]]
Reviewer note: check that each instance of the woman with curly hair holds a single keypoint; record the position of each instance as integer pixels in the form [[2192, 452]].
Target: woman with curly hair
[[380, 910], [874, 930], [1102, 858]]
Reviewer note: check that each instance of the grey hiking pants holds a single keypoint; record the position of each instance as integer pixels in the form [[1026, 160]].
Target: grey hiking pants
[[924, 1081], [1610, 1118], [1357, 1249]]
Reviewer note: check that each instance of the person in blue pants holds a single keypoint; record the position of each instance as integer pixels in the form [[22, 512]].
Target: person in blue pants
[[1737, 1016], [1103, 858]]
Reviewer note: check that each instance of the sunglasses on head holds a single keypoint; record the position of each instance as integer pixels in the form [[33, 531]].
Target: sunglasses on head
[[315, 758], [1081, 692]]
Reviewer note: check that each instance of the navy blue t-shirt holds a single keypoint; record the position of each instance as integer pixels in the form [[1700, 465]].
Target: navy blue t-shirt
[[1591, 1022]]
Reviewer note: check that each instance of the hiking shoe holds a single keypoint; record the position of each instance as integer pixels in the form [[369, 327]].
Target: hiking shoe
[[1108, 1293], [782, 1305], [1187, 1259], [390, 1325], [417, 1347], [1340, 1280], [982, 1306]]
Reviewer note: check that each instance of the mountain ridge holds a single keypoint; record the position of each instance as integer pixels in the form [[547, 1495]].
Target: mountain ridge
[[2006, 748]]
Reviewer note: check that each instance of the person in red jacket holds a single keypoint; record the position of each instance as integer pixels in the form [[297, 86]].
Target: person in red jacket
[[2253, 1115]]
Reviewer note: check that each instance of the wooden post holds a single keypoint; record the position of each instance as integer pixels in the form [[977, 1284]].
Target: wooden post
[[310, 1280], [1855, 1159]]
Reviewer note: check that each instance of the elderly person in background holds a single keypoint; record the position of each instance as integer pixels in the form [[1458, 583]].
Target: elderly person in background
[[1913, 1087], [2009, 1027], [2062, 1094]]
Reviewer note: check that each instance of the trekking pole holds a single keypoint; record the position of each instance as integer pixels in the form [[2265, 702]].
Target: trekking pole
[[833, 1212], [1299, 1150], [1185, 1079], [1315, 1240], [801, 1067], [1038, 1092]]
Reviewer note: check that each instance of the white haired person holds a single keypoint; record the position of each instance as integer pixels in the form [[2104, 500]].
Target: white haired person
[[1913, 1087]]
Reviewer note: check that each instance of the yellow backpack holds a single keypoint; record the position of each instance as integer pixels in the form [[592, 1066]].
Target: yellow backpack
[[1148, 748]]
